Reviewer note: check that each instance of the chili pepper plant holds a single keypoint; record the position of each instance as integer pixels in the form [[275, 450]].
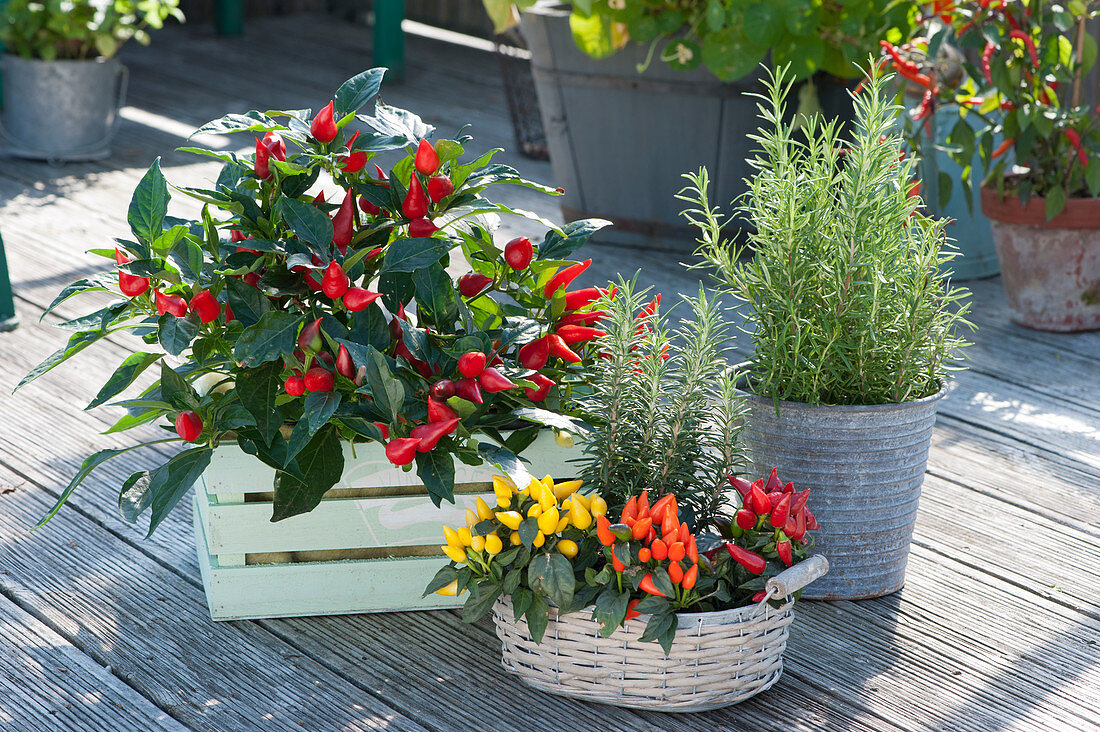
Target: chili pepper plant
[[730, 38], [290, 319], [554, 544], [80, 29], [1021, 104]]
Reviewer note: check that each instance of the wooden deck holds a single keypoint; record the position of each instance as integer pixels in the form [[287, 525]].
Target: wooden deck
[[998, 626]]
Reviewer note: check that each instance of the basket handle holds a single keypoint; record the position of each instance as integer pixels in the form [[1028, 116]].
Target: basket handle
[[793, 579]]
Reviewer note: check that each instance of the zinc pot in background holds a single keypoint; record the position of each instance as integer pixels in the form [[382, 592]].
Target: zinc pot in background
[[865, 466], [63, 109], [1050, 269]]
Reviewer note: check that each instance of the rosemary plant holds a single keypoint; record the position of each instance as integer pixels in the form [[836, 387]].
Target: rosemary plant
[[848, 296], [662, 405]]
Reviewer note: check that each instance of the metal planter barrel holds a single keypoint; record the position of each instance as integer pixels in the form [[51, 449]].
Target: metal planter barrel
[[865, 466], [61, 110], [619, 140]]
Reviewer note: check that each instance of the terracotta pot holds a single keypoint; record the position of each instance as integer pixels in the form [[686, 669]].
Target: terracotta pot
[[1050, 270]]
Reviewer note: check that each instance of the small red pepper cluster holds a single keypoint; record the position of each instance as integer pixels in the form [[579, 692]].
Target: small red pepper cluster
[[202, 303], [657, 539]]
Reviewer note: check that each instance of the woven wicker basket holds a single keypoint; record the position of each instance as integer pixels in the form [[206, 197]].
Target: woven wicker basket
[[717, 659]]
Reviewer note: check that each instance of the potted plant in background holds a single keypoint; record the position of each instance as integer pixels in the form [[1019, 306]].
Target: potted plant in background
[[63, 85], [633, 91], [854, 327], [577, 600], [1039, 144], [306, 345]]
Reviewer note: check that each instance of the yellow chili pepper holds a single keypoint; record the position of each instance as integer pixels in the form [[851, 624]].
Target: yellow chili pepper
[[568, 548], [566, 488], [493, 545], [514, 539], [562, 524], [450, 590], [471, 518], [582, 499], [511, 519], [464, 536], [535, 511], [452, 537], [548, 520], [598, 506], [477, 543], [483, 510], [564, 439], [504, 483], [548, 483], [456, 554], [582, 519], [540, 539]]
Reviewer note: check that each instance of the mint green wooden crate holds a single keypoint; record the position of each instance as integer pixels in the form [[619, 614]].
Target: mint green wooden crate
[[239, 548]]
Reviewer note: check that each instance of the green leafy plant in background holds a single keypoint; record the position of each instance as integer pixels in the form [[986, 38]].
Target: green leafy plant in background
[[661, 405], [732, 37], [845, 292], [80, 29]]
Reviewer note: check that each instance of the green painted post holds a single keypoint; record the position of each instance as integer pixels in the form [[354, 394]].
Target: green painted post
[[229, 17], [389, 39], [8, 317]]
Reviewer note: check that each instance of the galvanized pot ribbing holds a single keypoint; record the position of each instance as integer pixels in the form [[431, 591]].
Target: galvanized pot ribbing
[[865, 466], [61, 110]]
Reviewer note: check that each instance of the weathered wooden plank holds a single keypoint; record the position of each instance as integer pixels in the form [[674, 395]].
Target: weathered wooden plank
[[129, 612], [47, 683]]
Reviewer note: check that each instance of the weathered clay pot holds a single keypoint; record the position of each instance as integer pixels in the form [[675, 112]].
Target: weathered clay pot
[[1050, 270]]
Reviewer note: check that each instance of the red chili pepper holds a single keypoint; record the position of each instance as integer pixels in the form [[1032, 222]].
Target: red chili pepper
[[1028, 43], [294, 385], [690, 577], [356, 159], [430, 434], [427, 159], [644, 555], [1012, 22], [891, 49], [261, 164], [318, 378], [579, 333], [518, 254], [759, 501], [229, 316], [925, 108], [415, 205], [205, 306], [543, 390], [747, 559], [603, 531], [677, 551], [593, 316], [565, 277], [773, 484], [799, 526], [471, 363], [692, 551], [173, 304], [675, 573], [745, 519], [439, 412], [789, 526], [442, 390], [343, 223], [743, 486], [781, 511], [310, 337], [335, 282], [915, 76], [798, 501], [1003, 148], [469, 390], [641, 527], [559, 349], [323, 127], [130, 285], [439, 187], [402, 450], [759, 596], [493, 381], [783, 548], [357, 298], [1074, 138], [344, 365], [367, 207], [631, 613], [577, 299], [616, 564], [646, 585], [471, 284], [630, 510], [659, 549], [811, 522], [535, 354], [987, 57], [683, 534], [189, 425], [422, 228], [659, 509]]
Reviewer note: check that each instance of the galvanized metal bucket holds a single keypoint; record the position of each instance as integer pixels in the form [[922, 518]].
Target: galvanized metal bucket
[[61, 110], [865, 466]]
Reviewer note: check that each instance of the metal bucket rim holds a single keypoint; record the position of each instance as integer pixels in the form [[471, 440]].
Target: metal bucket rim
[[836, 408], [13, 58]]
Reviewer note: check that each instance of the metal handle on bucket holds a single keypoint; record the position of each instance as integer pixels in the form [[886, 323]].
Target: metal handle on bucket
[[793, 579]]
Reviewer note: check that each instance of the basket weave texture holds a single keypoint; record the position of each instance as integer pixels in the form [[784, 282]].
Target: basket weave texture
[[717, 658]]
